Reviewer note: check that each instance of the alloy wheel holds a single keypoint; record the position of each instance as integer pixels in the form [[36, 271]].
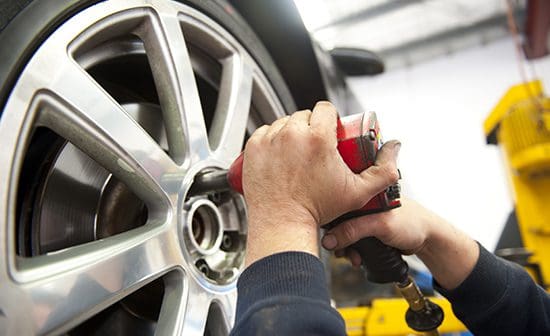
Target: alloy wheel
[[102, 135]]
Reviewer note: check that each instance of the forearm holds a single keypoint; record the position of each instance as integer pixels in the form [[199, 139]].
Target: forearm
[[500, 298], [282, 232], [448, 253]]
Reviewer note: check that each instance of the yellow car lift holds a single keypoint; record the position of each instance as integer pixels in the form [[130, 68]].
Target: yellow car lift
[[520, 124]]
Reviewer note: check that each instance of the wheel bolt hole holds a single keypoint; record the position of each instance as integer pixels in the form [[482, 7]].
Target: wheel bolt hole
[[203, 267], [231, 241], [227, 242]]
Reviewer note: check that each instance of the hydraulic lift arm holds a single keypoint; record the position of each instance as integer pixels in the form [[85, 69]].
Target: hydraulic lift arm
[[520, 125]]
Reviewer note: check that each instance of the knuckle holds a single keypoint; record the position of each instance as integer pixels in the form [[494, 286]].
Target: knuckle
[[298, 119], [260, 131], [349, 232], [306, 111], [317, 138], [253, 141], [287, 131], [388, 173], [283, 119], [392, 174], [252, 146], [291, 132], [256, 138], [313, 145]]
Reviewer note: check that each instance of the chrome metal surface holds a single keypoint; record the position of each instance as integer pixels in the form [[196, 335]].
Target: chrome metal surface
[[204, 227], [86, 266]]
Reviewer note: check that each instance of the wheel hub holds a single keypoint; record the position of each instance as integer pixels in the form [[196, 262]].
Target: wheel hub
[[213, 234]]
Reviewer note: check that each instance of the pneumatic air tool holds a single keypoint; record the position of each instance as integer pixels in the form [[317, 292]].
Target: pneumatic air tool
[[359, 140]]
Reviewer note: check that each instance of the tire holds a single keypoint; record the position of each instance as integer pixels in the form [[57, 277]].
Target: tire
[[109, 111]]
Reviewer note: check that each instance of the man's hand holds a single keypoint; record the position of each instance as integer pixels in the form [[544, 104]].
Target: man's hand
[[295, 180], [449, 253], [406, 228]]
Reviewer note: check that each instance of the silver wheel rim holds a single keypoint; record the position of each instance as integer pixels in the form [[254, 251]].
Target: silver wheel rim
[[53, 292]]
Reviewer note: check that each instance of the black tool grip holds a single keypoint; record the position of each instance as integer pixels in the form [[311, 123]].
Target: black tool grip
[[383, 264]]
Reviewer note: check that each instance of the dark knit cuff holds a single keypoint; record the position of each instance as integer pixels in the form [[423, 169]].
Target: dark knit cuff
[[488, 279], [282, 274]]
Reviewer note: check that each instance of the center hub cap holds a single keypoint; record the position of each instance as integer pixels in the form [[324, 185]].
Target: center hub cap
[[213, 235]]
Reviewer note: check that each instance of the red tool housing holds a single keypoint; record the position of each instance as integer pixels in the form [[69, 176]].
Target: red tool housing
[[359, 140]]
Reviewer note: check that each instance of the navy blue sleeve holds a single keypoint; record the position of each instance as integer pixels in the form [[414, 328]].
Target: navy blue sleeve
[[500, 298], [285, 294]]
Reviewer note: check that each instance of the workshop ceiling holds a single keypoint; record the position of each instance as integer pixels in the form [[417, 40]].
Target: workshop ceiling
[[407, 31]]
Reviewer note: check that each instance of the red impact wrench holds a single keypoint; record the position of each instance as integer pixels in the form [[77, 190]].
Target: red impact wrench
[[359, 140]]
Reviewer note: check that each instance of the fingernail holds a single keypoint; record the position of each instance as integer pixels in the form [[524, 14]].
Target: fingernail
[[329, 241], [396, 148]]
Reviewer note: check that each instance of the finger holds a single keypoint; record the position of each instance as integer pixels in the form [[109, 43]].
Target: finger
[[256, 140], [276, 126], [350, 231], [340, 253], [388, 153], [323, 119], [354, 257], [259, 133], [301, 118], [383, 173]]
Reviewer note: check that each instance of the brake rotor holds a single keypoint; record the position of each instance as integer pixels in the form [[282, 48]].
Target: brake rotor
[[79, 201]]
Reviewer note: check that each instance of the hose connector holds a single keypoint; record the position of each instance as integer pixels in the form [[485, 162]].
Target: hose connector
[[423, 315]]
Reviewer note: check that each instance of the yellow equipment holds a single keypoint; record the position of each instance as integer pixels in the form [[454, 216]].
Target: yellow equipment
[[520, 124], [385, 317]]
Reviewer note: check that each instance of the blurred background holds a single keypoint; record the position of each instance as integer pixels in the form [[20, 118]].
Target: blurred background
[[446, 66]]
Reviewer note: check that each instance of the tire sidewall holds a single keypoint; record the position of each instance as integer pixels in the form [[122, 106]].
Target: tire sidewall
[[40, 18]]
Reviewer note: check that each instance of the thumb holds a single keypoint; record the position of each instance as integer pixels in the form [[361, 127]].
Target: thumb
[[383, 173]]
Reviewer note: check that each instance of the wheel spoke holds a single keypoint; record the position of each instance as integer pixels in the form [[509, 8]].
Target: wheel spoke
[[175, 81], [173, 306], [79, 110], [231, 116], [227, 305], [68, 287], [185, 308]]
